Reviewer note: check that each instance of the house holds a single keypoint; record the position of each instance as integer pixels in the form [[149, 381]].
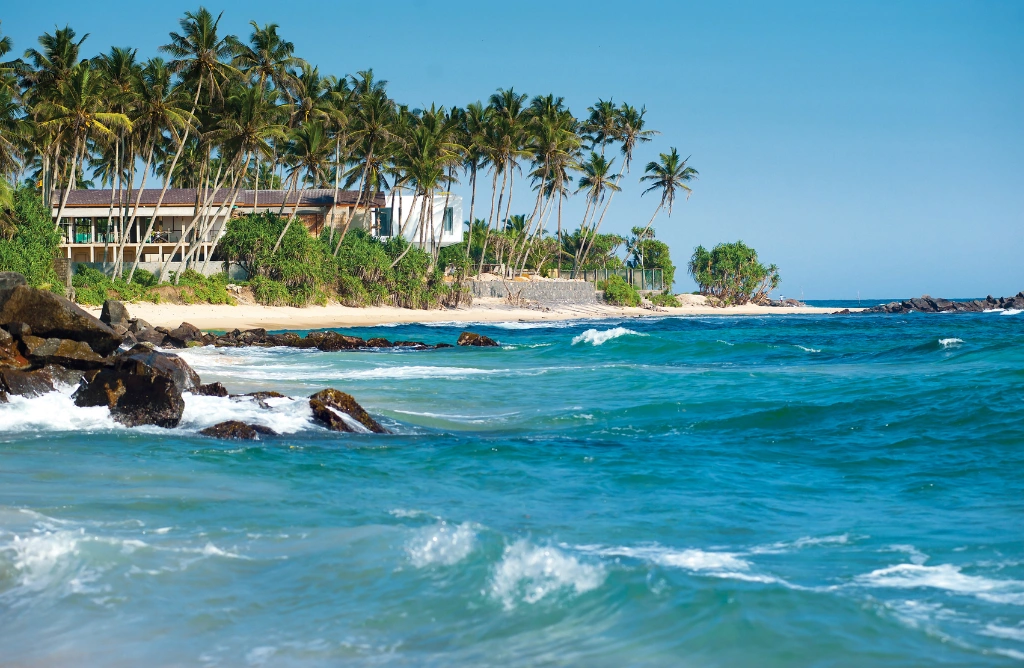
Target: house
[[91, 218]]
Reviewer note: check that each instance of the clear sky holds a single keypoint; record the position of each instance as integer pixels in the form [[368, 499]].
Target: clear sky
[[871, 147]]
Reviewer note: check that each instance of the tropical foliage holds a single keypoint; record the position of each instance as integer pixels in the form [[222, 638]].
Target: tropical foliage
[[216, 111], [732, 274]]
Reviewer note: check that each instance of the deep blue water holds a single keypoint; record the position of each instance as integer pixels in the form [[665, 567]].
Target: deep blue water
[[707, 491]]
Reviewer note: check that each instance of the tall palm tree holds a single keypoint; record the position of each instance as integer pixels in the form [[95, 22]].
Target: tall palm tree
[[473, 121], [668, 174], [310, 155], [596, 181]]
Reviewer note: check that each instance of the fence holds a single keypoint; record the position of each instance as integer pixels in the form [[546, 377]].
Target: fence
[[641, 279]]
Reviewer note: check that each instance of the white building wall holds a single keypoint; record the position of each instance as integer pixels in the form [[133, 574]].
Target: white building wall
[[414, 217]]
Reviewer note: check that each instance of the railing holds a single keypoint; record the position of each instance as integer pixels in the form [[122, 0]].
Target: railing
[[641, 279]]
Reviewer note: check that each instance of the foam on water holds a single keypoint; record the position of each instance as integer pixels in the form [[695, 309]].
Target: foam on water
[[442, 543], [284, 415], [808, 350], [727, 565], [597, 337], [413, 372], [53, 411], [528, 573], [950, 342], [948, 578], [1012, 311]]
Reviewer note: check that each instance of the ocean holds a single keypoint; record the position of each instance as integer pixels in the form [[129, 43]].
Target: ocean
[[702, 491]]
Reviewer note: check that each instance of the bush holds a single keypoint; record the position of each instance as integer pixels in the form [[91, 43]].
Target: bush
[[30, 244], [199, 289], [93, 287], [618, 292], [731, 273], [665, 299]]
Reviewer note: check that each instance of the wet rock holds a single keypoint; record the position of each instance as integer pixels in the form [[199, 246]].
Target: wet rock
[[63, 352], [152, 336], [239, 431], [50, 315], [26, 383], [64, 376], [261, 398], [114, 314], [444, 345], [137, 325], [287, 339], [10, 355], [378, 342], [139, 387], [332, 341], [211, 390], [183, 335], [473, 339], [19, 330], [415, 345], [329, 404], [927, 304], [845, 311]]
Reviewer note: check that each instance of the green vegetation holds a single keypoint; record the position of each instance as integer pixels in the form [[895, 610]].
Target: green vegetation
[[28, 241], [665, 299], [93, 287], [731, 274], [618, 292]]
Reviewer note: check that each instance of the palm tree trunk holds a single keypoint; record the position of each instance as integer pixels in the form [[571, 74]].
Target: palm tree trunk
[[71, 181], [490, 218], [201, 211], [142, 186], [408, 246], [359, 195], [295, 210], [472, 205]]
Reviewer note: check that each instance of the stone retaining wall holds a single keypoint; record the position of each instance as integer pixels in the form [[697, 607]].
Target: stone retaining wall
[[235, 272], [545, 292]]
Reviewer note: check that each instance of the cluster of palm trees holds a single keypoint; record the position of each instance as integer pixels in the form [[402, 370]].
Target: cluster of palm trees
[[216, 112]]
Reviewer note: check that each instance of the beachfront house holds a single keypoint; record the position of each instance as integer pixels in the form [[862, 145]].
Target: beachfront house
[[91, 219]]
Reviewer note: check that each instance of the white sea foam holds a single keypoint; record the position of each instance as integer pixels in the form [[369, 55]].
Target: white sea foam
[[1007, 632], [441, 543], [284, 415], [801, 543], [948, 578], [950, 342], [597, 337], [1012, 311], [44, 558], [807, 350], [916, 556], [53, 411], [717, 564], [529, 573], [412, 372]]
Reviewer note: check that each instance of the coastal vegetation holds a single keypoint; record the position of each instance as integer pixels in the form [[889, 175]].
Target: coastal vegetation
[[217, 111], [731, 274]]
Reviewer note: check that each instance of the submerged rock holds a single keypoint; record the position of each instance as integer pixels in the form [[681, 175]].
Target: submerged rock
[[211, 390], [261, 398], [235, 430], [49, 315], [473, 339], [329, 404], [332, 341]]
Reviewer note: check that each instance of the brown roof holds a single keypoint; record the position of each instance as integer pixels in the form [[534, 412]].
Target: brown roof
[[319, 197]]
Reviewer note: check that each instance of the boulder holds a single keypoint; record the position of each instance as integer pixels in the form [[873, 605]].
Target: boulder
[[64, 376], [288, 339], [26, 383], [50, 315], [10, 355], [151, 336], [183, 335], [332, 341], [378, 342], [19, 330], [235, 430], [473, 339], [139, 387], [10, 280], [329, 404], [185, 378], [63, 352], [211, 390], [137, 325], [416, 345], [114, 314]]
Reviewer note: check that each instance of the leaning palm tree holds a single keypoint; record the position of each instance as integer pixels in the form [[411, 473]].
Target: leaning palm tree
[[310, 155], [668, 175], [597, 183]]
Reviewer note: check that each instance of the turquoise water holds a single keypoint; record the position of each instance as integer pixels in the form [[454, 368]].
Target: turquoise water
[[789, 490]]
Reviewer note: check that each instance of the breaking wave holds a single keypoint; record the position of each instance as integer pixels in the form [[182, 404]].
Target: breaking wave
[[442, 543], [597, 337], [529, 573]]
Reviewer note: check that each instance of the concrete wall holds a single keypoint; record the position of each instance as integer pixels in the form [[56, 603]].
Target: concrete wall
[[235, 272], [546, 292]]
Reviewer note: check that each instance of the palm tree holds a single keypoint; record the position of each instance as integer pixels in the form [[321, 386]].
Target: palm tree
[[473, 121], [310, 152], [668, 175], [597, 183]]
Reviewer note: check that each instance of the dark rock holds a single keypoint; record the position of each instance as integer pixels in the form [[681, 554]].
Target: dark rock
[[3, 396], [261, 397], [152, 336], [10, 355], [289, 339], [50, 315], [137, 325], [64, 376], [139, 387], [10, 280], [235, 430], [211, 390], [63, 352], [378, 342], [185, 378], [332, 341], [19, 330], [114, 313], [183, 335], [162, 330], [417, 345], [26, 383], [845, 311], [252, 337], [328, 404], [444, 345], [472, 339]]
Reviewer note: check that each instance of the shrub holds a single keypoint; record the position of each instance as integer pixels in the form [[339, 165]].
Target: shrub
[[269, 292], [93, 287], [731, 273], [665, 299], [30, 244], [199, 289], [618, 292]]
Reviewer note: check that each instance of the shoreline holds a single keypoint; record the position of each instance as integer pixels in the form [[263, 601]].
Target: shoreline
[[332, 316]]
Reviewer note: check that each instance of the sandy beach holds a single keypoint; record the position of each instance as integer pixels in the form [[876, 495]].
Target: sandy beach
[[249, 316]]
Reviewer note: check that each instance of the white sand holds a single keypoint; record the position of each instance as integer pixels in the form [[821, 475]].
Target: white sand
[[208, 316]]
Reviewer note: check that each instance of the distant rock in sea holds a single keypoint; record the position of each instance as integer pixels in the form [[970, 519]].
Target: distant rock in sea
[[927, 304]]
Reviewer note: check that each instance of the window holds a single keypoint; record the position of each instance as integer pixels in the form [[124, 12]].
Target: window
[[449, 220], [383, 222]]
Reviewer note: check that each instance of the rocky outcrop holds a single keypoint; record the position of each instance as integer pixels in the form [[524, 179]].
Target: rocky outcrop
[[785, 303], [26, 383], [927, 304], [473, 339], [330, 405], [52, 316], [184, 336], [10, 354], [261, 398], [211, 390], [62, 352], [140, 387], [239, 431]]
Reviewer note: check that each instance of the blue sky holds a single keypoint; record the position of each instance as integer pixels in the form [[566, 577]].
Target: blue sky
[[870, 147]]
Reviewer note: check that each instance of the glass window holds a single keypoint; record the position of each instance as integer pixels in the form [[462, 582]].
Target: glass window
[[449, 220], [384, 222]]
